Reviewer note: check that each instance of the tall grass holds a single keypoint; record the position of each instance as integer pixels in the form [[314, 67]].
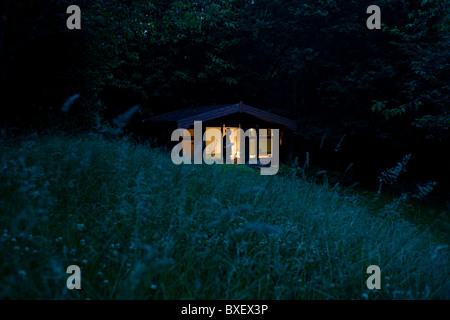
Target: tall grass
[[141, 227]]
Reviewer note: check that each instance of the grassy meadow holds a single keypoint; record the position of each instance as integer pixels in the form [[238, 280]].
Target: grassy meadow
[[141, 227]]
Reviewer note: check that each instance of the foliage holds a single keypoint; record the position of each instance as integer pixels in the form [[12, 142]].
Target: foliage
[[390, 175], [423, 40]]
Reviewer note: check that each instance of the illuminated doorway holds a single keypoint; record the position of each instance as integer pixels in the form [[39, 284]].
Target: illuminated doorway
[[231, 139]]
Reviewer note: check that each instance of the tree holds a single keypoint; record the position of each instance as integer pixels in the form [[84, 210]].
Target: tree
[[425, 91]]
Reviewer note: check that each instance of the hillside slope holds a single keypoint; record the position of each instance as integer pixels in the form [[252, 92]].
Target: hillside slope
[[141, 227]]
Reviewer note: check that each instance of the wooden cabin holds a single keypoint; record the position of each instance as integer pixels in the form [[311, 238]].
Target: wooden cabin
[[224, 117]]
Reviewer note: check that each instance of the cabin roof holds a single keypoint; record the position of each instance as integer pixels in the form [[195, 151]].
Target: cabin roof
[[185, 118]]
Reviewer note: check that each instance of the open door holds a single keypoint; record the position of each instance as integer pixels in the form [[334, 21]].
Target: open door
[[231, 138]]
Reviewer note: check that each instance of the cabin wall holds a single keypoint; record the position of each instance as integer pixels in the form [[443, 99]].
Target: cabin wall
[[161, 131]]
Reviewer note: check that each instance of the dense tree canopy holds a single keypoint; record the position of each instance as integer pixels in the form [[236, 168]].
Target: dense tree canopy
[[315, 61]]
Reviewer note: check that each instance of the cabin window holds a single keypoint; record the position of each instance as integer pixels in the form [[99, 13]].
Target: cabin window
[[265, 143]]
